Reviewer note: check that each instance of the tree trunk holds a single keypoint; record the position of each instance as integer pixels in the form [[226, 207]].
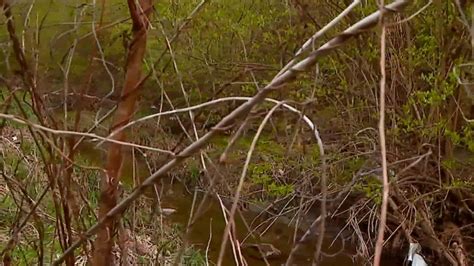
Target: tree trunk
[[139, 11]]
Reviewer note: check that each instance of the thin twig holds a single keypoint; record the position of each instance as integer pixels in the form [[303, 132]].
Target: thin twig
[[202, 105], [226, 220], [75, 133], [241, 183], [383, 149]]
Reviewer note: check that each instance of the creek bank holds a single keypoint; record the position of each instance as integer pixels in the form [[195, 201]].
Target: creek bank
[[257, 224]]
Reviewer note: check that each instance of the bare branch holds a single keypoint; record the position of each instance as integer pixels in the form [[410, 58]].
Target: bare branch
[[276, 83], [383, 148]]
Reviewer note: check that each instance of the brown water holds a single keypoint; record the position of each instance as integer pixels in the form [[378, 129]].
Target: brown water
[[211, 224], [207, 231]]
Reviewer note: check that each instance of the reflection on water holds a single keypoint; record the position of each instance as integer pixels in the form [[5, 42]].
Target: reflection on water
[[206, 233], [211, 224]]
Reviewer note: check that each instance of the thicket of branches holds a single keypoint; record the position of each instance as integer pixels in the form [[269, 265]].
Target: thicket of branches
[[361, 109]]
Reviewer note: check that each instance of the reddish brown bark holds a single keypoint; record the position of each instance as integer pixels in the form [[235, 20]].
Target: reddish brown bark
[[109, 182]]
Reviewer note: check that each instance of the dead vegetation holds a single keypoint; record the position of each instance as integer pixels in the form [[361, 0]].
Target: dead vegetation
[[313, 149]]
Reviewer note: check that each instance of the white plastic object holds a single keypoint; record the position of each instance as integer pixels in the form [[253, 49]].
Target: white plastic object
[[414, 255]]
